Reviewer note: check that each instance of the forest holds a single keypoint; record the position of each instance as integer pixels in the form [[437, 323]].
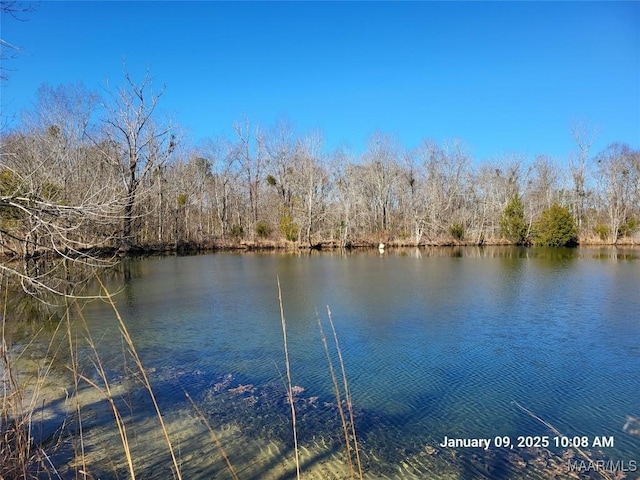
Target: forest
[[82, 172]]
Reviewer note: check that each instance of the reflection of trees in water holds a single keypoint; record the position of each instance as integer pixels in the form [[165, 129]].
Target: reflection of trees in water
[[60, 278], [19, 307], [50, 279]]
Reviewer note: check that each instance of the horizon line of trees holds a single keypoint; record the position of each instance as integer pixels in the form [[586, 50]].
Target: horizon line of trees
[[81, 171]]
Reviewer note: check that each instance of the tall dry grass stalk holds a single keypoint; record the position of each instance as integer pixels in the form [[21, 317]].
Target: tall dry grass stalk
[[106, 392], [73, 356], [348, 426], [202, 416], [582, 453], [347, 394], [124, 332], [289, 384], [15, 444], [22, 455]]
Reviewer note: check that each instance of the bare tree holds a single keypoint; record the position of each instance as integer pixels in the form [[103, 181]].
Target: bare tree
[[310, 180], [542, 188], [280, 146], [380, 179], [61, 126], [248, 152], [144, 144], [57, 198], [346, 203], [584, 137], [16, 8], [413, 184], [444, 172], [495, 185], [214, 170], [40, 226], [17, 11], [618, 185]]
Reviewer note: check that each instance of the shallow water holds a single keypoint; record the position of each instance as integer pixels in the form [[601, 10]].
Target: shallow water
[[436, 343]]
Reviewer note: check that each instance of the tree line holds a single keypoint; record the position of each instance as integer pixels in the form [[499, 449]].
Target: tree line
[[82, 171]]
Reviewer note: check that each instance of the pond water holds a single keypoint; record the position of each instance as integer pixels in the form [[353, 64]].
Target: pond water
[[436, 343]]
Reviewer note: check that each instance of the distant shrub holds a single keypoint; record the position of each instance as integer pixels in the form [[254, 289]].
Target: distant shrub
[[513, 224], [263, 230], [181, 199], [50, 191], [457, 231], [629, 227], [602, 231], [237, 231], [288, 228], [556, 228], [10, 185]]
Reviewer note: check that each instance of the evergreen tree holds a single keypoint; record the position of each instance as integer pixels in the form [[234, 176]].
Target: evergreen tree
[[556, 228], [513, 223]]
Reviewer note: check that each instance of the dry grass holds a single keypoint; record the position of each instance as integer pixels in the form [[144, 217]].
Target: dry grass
[[20, 456], [289, 384], [348, 426], [346, 417], [582, 453], [347, 394], [147, 384], [23, 455], [106, 392], [203, 417]]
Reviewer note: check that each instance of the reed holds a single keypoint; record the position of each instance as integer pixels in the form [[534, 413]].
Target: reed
[[73, 355], [582, 453], [15, 442], [348, 425], [106, 392], [21, 456], [337, 393], [203, 417], [347, 394], [147, 384], [289, 384]]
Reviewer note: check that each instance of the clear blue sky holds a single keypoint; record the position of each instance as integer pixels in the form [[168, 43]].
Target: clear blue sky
[[506, 77]]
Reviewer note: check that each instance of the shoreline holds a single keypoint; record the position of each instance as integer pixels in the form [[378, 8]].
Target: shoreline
[[193, 248]]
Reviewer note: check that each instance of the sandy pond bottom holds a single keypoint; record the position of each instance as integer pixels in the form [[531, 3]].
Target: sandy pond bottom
[[252, 425]]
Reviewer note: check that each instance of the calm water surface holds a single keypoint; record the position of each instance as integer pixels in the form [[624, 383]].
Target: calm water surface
[[436, 343]]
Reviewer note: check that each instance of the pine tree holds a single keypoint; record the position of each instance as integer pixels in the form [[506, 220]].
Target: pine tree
[[513, 223]]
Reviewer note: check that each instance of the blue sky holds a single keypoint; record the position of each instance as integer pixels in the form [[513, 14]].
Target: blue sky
[[506, 77]]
